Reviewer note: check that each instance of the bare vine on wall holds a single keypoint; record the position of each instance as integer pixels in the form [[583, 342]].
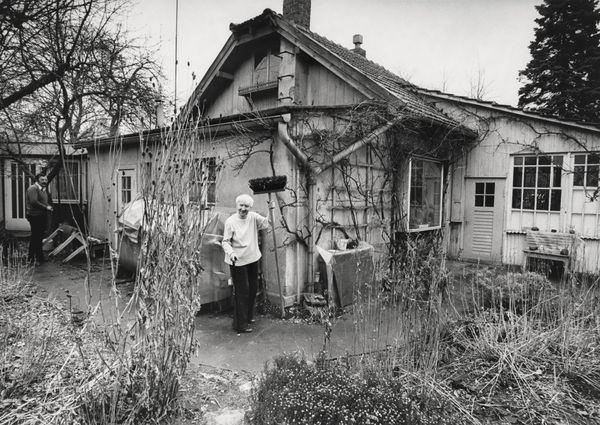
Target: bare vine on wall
[[488, 125], [363, 164]]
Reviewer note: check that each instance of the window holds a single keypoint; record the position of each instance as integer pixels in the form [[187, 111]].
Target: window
[[484, 194], [266, 67], [21, 177], [587, 167], [126, 189], [425, 194], [65, 186], [204, 182], [536, 183]]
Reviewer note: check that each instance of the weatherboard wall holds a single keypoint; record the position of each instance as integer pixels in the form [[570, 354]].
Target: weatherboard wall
[[504, 136]]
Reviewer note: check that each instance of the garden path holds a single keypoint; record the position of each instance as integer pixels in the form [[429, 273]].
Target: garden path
[[219, 345]]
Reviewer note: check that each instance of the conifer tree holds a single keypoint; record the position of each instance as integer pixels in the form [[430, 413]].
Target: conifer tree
[[563, 76]]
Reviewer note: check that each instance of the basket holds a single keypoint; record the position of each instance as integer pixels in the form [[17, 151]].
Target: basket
[[268, 184]]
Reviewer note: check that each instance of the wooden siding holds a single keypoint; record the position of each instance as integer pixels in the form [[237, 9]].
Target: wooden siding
[[325, 88], [506, 136]]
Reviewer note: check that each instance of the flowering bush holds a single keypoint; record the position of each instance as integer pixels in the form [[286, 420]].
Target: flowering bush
[[296, 392]]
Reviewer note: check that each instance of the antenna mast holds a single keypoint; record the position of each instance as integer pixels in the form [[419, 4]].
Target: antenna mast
[[176, 59]]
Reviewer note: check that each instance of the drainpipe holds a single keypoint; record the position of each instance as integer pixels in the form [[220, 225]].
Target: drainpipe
[[284, 137]]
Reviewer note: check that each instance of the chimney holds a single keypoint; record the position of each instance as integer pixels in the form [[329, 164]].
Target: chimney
[[297, 11], [358, 40], [160, 113]]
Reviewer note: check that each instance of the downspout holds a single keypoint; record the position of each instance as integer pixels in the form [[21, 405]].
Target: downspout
[[284, 137], [312, 173]]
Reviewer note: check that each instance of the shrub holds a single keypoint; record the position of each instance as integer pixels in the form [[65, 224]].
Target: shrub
[[296, 392], [516, 292]]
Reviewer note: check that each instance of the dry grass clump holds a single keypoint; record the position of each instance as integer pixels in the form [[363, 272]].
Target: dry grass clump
[[45, 359], [528, 351], [500, 346]]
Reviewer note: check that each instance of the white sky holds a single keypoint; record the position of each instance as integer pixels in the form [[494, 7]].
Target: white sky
[[437, 44]]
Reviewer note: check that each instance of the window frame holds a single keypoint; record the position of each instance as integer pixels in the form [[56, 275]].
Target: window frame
[[272, 59], [207, 186], [484, 195], [421, 227], [56, 189], [585, 172], [519, 162]]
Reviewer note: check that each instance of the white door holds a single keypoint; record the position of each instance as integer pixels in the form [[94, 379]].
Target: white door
[[484, 219], [16, 182]]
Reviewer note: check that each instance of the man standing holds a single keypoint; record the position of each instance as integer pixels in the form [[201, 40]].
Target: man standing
[[38, 205]]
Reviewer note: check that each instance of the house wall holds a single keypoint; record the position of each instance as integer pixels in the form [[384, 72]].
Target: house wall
[[228, 101], [105, 169], [505, 136]]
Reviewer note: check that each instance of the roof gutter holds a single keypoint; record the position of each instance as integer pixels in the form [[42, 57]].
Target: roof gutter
[[507, 109]]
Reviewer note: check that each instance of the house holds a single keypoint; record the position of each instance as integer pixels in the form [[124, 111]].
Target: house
[[20, 162], [364, 155], [367, 155], [526, 171]]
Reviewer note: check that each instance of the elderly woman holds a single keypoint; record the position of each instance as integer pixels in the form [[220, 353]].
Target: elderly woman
[[240, 243]]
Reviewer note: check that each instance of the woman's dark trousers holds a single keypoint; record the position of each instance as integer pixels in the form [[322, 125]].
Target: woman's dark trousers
[[245, 285]]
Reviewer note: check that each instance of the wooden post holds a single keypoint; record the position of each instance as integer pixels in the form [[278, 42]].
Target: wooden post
[[271, 207]]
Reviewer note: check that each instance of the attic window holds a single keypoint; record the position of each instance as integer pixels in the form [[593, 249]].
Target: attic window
[[264, 73], [266, 67]]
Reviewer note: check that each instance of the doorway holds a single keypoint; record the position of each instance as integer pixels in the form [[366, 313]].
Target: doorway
[[484, 219]]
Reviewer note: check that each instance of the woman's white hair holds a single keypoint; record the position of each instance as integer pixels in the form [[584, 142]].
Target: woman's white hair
[[246, 199]]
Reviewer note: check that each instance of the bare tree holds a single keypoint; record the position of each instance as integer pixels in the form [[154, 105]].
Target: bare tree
[[68, 69]]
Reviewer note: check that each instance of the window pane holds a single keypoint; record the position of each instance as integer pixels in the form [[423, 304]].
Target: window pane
[[479, 200], [518, 160], [543, 179], [557, 177], [210, 196], [425, 194], [580, 159], [545, 160], [529, 180], [543, 199], [479, 188], [592, 176], [516, 198], [528, 199], [593, 158], [555, 200], [578, 175], [530, 160], [490, 188], [557, 160], [518, 177], [489, 201]]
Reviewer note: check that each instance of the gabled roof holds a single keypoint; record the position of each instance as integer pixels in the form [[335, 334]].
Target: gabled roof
[[375, 81], [411, 96]]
